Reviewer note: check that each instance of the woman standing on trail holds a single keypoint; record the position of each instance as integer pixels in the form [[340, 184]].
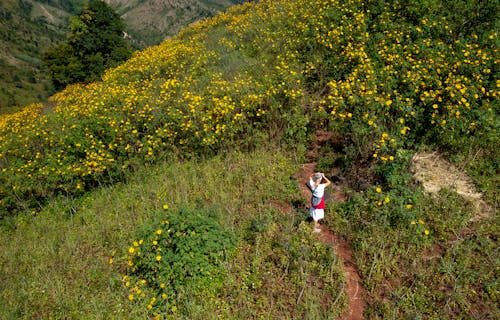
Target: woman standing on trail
[[317, 209]]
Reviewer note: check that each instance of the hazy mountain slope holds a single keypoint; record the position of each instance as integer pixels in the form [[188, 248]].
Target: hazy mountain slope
[[27, 28], [151, 21]]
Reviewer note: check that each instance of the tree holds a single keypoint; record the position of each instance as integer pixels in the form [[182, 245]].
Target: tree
[[94, 43]]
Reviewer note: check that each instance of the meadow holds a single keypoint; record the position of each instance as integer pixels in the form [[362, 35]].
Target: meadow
[[213, 123]]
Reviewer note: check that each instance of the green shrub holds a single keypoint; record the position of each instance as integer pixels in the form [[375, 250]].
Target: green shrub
[[178, 254]]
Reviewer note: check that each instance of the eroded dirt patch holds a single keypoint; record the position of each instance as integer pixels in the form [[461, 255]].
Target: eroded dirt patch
[[436, 173]]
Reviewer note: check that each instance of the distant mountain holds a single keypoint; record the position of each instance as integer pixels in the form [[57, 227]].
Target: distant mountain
[[151, 21], [29, 27]]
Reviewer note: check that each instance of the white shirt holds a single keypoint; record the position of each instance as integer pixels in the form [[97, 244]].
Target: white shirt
[[319, 191]]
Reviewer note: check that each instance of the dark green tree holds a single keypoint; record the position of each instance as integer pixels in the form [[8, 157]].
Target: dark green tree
[[94, 43]]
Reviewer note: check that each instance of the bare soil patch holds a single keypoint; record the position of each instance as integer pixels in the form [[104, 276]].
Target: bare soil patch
[[436, 173]]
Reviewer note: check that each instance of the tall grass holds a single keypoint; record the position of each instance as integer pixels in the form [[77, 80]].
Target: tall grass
[[56, 264]]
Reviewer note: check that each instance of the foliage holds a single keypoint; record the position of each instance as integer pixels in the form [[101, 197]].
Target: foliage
[[389, 77], [30, 28], [94, 43], [180, 251], [277, 269], [387, 85]]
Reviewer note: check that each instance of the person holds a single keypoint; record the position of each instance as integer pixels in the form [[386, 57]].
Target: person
[[317, 208]]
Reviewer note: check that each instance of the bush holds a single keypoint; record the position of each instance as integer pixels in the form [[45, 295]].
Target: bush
[[180, 253]]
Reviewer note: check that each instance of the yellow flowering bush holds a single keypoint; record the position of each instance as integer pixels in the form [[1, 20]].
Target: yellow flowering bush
[[178, 251], [387, 77]]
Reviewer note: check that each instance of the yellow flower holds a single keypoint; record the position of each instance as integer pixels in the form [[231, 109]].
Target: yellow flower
[[131, 250], [403, 131], [158, 232], [378, 189], [421, 221], [165, 206], [158, 258], [136, 244], [164, 296], [409, 206], [110, 260], [426, 232], [412, 222], [131, 297], [387, 200], [155, 243], [162, 285]]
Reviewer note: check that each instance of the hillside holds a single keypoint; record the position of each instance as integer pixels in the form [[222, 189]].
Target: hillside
[[152, 21], [29, 27], [173, 188]]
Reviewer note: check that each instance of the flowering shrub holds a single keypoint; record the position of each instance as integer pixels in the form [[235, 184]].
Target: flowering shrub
[[385, 76], [181, 252]]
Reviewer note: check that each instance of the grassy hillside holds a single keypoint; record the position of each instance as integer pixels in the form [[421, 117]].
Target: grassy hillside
[[214, 122]]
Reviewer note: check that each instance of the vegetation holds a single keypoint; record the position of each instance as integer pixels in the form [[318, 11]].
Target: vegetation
[[388, 77], [76, 252], [30, 27], [184, 255], [95, 42], [23, 38]]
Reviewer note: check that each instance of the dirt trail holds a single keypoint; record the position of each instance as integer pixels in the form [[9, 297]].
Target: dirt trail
[[353, 287], [430, 169]]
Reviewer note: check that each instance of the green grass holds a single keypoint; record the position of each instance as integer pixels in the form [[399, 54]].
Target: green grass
[[450, 273], [55, 263]]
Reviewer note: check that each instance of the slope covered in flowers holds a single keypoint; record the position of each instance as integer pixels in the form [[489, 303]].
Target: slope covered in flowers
[[386, 77], [271, 67]]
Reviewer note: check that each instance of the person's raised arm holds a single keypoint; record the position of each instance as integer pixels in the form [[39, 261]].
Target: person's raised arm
[[328, 182]]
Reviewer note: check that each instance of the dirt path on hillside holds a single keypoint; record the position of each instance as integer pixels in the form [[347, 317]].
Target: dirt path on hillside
[[353, 287], [430, 169]]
